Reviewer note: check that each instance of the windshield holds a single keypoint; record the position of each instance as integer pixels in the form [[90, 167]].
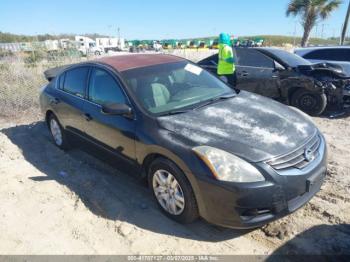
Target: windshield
[[290, 59], [166, 88]]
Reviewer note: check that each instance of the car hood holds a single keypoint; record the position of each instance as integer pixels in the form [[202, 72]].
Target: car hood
[[248, 125], [338, 69]]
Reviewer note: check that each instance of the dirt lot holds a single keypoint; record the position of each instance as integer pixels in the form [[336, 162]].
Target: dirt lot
[[72, 203]]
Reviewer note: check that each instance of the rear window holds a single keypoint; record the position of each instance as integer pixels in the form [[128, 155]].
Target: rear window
[[210, 61], [75, 81]]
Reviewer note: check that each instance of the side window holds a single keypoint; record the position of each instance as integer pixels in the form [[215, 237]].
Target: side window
[[75, 81], [329, 54], [61, 81], [319, 55], [339, 55], [103, 89], [252, 57]]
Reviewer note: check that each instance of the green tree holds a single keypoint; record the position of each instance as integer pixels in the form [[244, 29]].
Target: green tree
[[310, 13]]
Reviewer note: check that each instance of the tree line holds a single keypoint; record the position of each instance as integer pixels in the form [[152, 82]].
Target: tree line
[[15, 38]]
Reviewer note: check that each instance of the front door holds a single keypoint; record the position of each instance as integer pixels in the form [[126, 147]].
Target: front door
[[115, 133], [256, 73]]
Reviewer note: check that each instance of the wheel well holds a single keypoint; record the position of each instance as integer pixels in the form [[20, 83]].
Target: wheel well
[[147, 162], [291, 92]]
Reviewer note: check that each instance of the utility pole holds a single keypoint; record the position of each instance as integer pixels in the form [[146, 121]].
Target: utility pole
[[345, 26], [322, 31], [295, 33], [119, 43]]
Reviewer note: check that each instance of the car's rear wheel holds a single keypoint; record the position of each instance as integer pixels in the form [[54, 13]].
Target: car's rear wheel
[[172, 191], [311, 103], [57, 132]]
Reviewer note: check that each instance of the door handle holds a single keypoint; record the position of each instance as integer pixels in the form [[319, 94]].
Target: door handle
[[274, 76], [54, 101], [244, 73], [88, 117]]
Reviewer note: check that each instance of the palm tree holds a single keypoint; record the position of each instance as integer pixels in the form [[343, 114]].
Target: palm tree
[[310, 12]]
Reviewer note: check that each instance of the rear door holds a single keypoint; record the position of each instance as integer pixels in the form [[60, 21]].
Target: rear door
[[68, 102], [113, 132], [256, 73]]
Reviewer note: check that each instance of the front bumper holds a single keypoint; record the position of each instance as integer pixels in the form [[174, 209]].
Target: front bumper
[[255, 204]]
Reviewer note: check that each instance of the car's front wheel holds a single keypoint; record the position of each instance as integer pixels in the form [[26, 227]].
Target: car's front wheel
[[311, 103], [57, 132], [172, 191]]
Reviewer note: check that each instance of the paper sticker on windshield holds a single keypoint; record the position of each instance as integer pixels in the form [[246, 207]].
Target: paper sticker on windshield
[[193, 69]]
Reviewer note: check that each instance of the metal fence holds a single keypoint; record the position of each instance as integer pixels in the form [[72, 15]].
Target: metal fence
[[21, 78]]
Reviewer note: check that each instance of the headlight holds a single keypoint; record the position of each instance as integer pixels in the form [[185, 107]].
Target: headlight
[[227, 167]]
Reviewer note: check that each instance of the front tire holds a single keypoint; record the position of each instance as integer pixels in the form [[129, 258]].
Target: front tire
[[57, 132], [172, 191], [309, 102]]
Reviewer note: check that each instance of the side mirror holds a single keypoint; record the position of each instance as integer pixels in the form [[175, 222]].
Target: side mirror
[[278, 66], [117, 109]]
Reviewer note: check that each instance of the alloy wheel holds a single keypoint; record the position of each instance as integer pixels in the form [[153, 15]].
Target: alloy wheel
[[56, 132], [168, 192]]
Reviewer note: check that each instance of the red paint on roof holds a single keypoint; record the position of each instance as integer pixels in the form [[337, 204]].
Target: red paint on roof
[[126, 62]]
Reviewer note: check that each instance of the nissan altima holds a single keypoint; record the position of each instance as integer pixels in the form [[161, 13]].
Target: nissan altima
[[236, 160]]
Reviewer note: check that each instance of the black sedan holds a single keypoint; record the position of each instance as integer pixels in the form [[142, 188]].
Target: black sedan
[[237, 160], [287, 78]]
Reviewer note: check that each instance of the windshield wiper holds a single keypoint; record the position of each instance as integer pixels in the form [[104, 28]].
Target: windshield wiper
[[214, 100], [174, 112], [202, 104]]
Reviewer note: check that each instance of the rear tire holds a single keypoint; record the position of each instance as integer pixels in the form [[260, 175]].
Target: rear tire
[[309, 102], [185, 209], [57, 133]]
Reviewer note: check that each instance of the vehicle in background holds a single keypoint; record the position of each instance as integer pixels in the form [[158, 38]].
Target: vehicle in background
[[237, 160], [288, 78], [52, 45], [338, 55], [87, 46], [193, 44], [168, 43], [246, 42], [215, 44], [157, 46], [110, 44]]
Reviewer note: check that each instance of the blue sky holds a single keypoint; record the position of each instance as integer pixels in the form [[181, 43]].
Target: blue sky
[[156, 19]]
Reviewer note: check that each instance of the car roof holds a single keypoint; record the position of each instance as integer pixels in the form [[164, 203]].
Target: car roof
[[126, 62]]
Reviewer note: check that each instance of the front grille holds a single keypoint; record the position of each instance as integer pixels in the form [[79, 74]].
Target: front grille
[[299, 158]]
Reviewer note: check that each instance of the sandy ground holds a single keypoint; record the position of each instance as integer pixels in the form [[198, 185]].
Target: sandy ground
[[72, 203]]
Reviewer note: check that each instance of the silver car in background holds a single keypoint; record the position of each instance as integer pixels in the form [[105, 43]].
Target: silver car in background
[[337, 55]]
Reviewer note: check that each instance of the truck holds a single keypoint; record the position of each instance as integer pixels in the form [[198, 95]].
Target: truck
[[87, 46], [110, 44]]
